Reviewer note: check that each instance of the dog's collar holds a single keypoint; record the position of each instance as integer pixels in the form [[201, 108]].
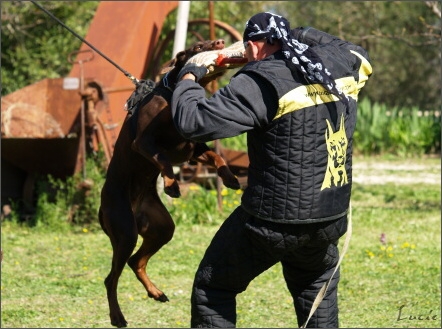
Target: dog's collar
[[166, 82]]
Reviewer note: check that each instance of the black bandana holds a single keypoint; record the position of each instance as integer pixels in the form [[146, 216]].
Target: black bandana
[[274, 27]]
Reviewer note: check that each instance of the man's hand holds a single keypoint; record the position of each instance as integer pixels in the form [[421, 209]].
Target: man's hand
[[198, 71]]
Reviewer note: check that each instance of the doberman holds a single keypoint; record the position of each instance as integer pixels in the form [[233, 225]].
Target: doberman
[[147, 146]]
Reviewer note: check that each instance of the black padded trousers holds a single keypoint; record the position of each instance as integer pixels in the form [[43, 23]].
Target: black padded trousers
[[245, 246]]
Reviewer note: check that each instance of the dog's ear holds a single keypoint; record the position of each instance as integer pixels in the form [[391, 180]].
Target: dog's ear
[[170, 65], [181, 58]]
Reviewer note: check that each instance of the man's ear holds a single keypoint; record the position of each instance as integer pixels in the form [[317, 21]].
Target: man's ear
[[256, 50]]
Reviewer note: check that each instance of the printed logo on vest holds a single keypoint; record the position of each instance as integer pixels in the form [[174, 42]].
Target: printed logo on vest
[[337, 142]]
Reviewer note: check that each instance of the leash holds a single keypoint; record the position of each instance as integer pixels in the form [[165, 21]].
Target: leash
[[127, 74], [321, 293]]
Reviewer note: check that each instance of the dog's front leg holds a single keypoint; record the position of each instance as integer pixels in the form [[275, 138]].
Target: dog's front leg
[[206, 156], [150, 152], [171, 186]]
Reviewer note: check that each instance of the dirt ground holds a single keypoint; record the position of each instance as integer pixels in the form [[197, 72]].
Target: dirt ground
[[399, 171]]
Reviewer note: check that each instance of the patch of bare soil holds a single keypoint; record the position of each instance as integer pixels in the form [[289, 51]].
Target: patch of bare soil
[[398, 171]]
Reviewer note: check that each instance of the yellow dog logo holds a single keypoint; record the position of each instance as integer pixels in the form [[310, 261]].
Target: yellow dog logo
[[337, 143]]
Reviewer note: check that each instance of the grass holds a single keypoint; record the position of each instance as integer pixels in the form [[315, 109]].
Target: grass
[[55, 279], [377, 278]]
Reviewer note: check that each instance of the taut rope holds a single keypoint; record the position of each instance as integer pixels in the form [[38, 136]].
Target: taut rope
[[321, 293]]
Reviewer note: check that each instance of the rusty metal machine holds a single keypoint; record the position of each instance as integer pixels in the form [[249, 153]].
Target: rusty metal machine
[[47, 127]]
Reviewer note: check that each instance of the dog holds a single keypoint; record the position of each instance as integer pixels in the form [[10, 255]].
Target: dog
[[147, 146]]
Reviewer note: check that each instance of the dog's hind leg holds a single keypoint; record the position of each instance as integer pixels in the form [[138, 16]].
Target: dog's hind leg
[[118, 223], [157, 229]]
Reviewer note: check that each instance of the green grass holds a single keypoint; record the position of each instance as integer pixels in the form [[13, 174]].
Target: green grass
[[55, 279], [377, 279]]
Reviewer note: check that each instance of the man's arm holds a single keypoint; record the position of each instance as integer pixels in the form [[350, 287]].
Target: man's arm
[[231, 111]]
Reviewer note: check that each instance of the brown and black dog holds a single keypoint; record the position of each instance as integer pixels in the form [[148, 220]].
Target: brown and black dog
[[148, 145]]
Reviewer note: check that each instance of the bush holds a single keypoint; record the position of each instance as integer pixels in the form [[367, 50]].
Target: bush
[[396, 131], [198, 204], [73, 201]]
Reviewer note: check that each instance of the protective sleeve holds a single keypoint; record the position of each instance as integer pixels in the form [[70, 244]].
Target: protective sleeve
[[242, 105]]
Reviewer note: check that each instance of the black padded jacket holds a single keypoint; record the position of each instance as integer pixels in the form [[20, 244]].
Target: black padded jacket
[[299, 136]]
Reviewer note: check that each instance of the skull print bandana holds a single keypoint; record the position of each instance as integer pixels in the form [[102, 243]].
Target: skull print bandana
[[274, 27]]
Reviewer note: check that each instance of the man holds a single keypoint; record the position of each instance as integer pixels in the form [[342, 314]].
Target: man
[[296, 100]]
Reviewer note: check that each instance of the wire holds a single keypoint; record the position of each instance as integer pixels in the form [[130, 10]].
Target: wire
[[130, 76]]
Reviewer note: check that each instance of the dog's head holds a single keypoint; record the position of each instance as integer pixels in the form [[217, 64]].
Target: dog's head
[[183, 56], [219, 61]]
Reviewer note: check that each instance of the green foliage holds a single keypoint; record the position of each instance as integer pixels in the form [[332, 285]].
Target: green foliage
[[371, 133], [398, 131], [414, 132], [402, 37], [238, 143], [73, 201], [34, 46], [198, 205], [52, 215]]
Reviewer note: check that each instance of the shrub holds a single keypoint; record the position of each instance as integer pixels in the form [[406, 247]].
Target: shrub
[[75, 200], [397, 131]]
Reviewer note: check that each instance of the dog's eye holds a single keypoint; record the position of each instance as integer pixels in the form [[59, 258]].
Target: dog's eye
[[198, 47]]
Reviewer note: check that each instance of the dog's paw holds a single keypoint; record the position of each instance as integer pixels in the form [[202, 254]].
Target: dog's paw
[[119, 322], [229, 180], [163, 298], [173, 190], [160, 298], [232, 183]]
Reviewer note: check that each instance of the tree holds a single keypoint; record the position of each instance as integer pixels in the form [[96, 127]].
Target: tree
[[403, 39], [34, 46]]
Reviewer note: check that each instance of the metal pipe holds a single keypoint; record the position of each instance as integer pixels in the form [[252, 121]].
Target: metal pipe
[[181, 27]]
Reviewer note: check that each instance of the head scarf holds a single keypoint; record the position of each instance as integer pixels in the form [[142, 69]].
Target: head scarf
[[274, 27]]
